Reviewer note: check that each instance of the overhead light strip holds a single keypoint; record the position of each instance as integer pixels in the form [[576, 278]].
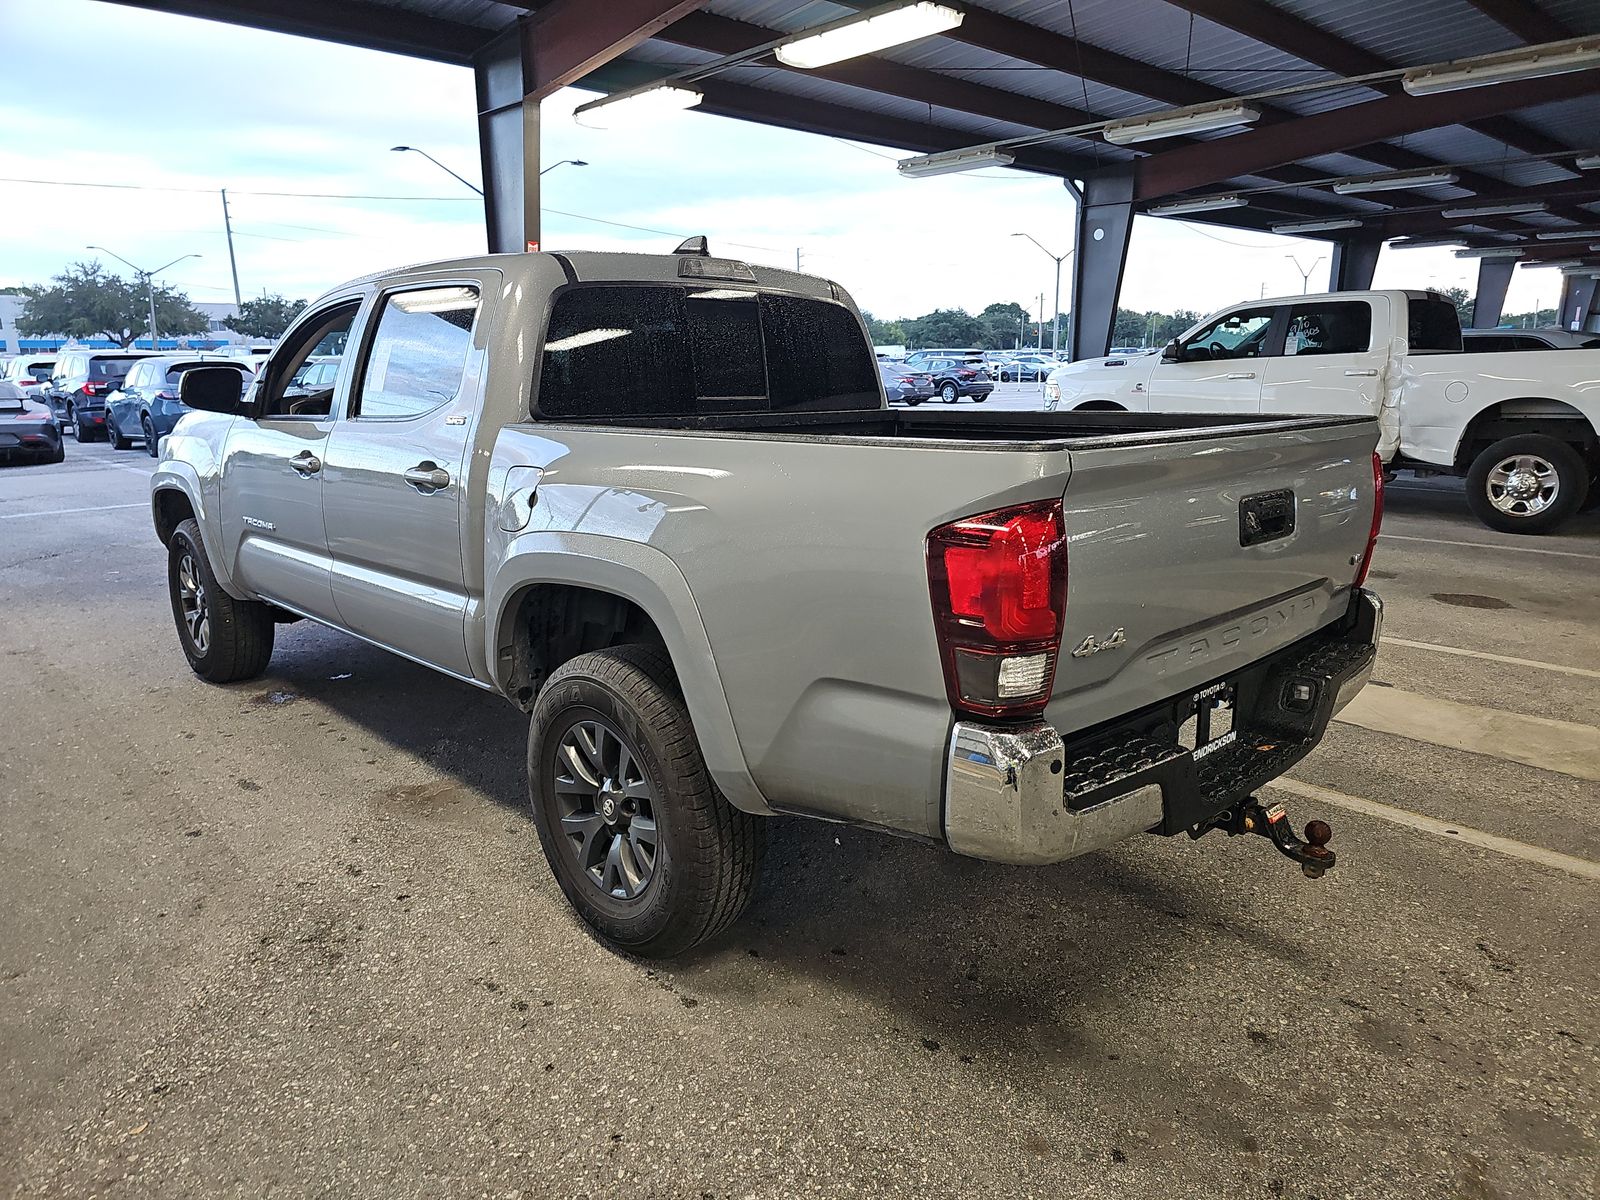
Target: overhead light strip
[[1198, 204], [1529, 62], [1317, 226], [1200, 118], [1356, 185], [1495, 210], [950, 162], [865, 33]]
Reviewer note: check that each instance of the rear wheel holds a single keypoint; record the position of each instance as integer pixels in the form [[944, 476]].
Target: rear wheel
[[643, 846], [225, 640], [114, 432], [1529, 483]]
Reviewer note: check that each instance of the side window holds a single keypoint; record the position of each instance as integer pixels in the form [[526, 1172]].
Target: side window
[[281, 393], [1338, 328], [1234, 335], [418, 354], [1432, 325]]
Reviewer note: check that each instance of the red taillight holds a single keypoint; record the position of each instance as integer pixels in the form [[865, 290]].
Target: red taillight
[[1377, 519], [999, 586], [91, 389], [166, 395]]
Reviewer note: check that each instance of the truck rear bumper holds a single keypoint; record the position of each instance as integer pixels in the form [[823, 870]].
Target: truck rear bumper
[[1022, 794]]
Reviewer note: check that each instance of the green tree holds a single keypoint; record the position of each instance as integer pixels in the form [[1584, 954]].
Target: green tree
[[1530, 320], [266, 316], [943, 327], [1004, 326], [87, 301], [884, 333]]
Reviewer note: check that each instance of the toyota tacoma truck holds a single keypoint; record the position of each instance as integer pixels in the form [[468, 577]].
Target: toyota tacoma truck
[[1524, 429], [661, 505]]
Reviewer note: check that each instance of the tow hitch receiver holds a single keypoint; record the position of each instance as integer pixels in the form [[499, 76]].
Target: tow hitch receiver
[[1271, 821]]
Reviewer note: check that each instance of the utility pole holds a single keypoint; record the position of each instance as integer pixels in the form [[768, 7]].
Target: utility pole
[[797, 258], [233, 263], [1041, 322], [1305, 272]]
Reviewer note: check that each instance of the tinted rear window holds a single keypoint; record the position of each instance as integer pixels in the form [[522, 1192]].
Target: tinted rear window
[[615, 350], [110, 368], [1433, 325]]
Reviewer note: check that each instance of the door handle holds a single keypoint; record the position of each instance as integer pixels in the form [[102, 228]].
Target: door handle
[[1242, 375], [306, 463], [1370, 373], [426, 476]]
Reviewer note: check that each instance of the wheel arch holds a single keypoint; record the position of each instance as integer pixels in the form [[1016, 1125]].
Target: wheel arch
[[1099, 406], [588, 589], [1527, 414]]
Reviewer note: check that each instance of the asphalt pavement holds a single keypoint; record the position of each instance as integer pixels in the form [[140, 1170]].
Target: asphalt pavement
[[295, 937]]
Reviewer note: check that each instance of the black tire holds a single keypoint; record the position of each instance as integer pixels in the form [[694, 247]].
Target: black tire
[[707, 854], [114, 433], [949, 392], [59, 454], [913, 401], [1541, 460], [235, 640], [151, 442], [979, 399]]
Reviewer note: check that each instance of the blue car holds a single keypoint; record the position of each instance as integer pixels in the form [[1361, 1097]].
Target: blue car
[[146, 406]]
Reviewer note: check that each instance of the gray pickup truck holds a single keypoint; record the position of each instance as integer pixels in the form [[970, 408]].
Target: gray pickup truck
[[659, 503]]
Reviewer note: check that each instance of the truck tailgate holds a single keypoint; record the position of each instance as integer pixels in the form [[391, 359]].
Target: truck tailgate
[[1158, 564]]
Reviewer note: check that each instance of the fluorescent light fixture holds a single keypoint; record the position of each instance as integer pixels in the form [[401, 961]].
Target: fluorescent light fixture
[[1563, 235], [948, 162], [1392, 181], [1200, 118], [891, 25], [1496, 210], [1580, 269], [1200, 204], [1589, 162], [1531, 62], [1565, 262], [589, 337], [1317, 226], [1491, 252], [626, 109], [1418, 243]]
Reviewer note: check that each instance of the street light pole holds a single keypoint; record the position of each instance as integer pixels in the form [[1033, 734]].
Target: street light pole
[[577, 162], [1055, 337], [149, 283], [442, 167], [1305, 272]]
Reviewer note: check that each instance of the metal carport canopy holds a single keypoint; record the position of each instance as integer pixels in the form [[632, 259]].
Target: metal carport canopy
[[1023, 68]]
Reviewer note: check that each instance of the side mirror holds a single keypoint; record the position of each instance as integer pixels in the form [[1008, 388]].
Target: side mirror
[[213, 389], [1172, 353]]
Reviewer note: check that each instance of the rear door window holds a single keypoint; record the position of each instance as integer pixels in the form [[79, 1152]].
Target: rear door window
[[418, 357], [632, 350], [1343, 327]]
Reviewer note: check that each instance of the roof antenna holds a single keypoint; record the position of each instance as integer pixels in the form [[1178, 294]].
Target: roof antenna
[[694, 245]]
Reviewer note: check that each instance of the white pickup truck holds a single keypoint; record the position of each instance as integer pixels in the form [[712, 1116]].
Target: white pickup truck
[[1521, 427]]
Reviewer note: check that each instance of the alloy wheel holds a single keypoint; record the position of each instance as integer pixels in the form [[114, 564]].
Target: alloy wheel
[[1523, 485], [192, 601], [605, 806]]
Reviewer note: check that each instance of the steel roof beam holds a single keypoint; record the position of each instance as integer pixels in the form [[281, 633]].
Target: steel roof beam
[[1338, 130], [566, 39], [1523, 18], [349, 22]]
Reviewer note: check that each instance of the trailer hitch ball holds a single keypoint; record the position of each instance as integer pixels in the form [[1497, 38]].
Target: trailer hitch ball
[[1271, 821]]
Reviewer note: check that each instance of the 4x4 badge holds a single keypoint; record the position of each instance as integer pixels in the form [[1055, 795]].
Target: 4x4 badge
[[1088, 646]]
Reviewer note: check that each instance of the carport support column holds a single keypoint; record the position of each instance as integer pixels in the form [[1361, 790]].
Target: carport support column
[[1494, 276], [508, 142], [1105, 219], [1354, 261], [1577, 300]]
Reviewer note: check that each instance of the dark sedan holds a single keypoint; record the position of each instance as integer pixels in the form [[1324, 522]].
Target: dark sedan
[[954, 378], [146, 406], [26, 429], [905, 387]]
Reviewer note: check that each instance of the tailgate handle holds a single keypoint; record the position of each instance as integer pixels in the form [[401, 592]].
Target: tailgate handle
[[1265, 517], [1242, 375]]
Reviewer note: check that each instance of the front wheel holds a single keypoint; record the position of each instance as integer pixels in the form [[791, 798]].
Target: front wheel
[[643, 846], [1529, 483], [948, 392], [225, 640], [150, 440]]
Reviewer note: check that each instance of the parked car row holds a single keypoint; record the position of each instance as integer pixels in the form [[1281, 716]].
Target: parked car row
[[26, 431]]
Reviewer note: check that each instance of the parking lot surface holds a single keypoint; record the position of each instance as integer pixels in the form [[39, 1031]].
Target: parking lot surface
[[296, 937]]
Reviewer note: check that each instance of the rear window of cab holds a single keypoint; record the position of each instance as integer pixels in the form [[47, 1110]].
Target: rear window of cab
[[649, 350]]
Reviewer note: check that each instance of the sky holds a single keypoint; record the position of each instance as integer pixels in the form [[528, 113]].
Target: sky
[[202, 106]]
